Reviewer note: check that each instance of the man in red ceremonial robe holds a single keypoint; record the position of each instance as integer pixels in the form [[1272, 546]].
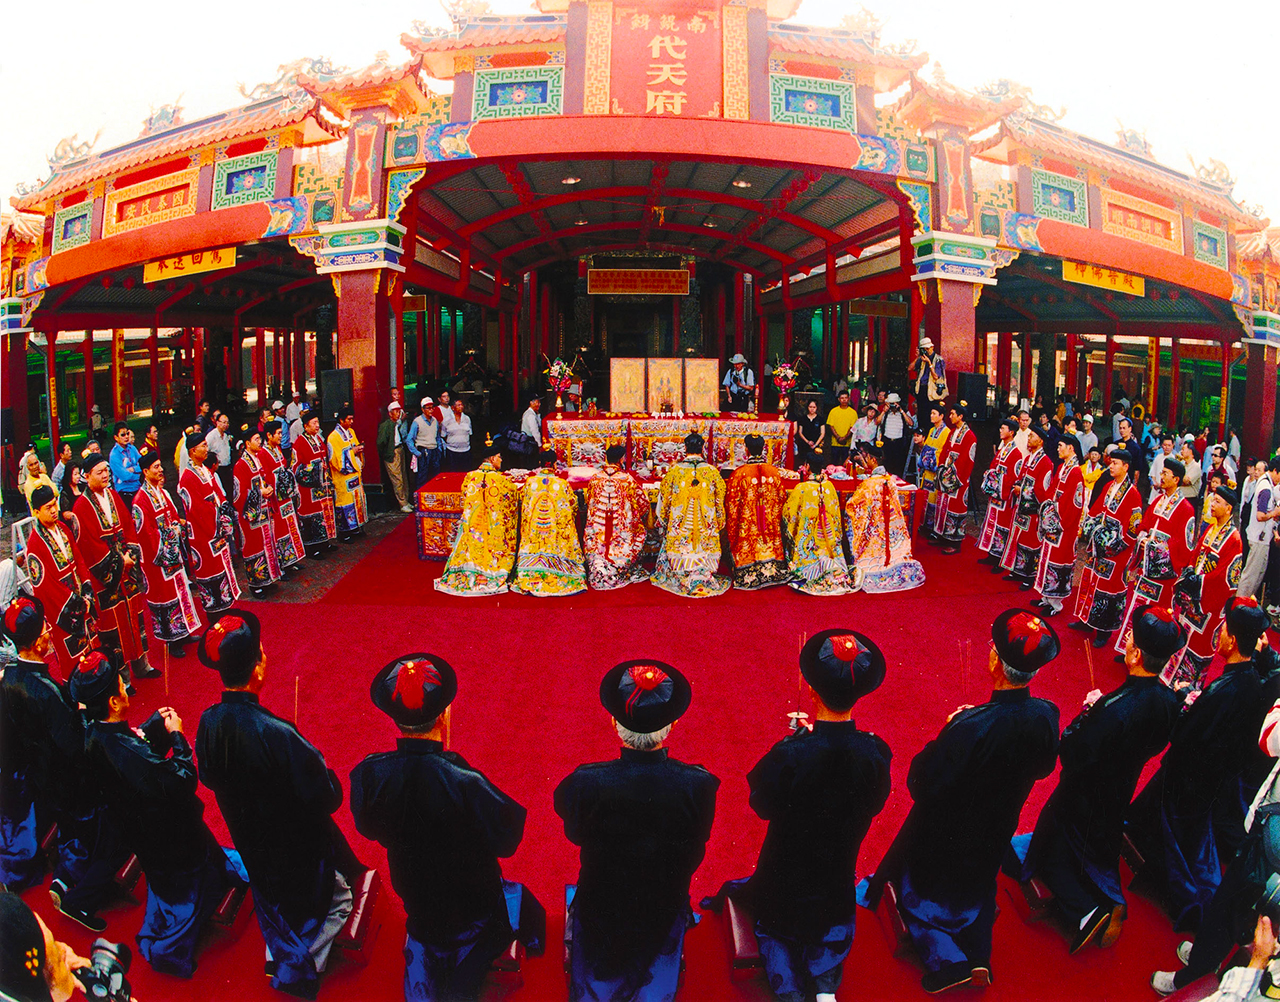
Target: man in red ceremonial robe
[[955, 467], [103, 525], [613, 539], [176, 614], [251, 496], [1166, 538], [1059, 526], [316, 516], [284, 497], [997, 485], [60, 579], [753, 503], [1034, 487], [211, 523], [1109, 532], [1201, 592]]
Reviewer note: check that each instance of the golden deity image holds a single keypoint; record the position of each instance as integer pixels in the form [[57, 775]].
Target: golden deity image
[[549, 561], [811, 529], [879, 541], [691, 511], [485, 551]]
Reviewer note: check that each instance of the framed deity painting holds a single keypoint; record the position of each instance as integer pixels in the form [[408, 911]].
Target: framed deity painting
[[701, 385], [626, 385], [666, 384]]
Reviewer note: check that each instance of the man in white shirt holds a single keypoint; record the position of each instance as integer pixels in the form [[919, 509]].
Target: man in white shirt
[[219, 442], [457, 438], [425, 443], [294, 410], [1190, 488], [1260, 530], [1024, 430], [1087, 437], [1157, 464], [531, 422]]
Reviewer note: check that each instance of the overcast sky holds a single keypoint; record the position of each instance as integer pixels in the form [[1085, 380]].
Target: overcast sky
[[1197, 77]]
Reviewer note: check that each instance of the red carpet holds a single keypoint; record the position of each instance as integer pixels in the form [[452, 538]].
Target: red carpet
[[527, 713]]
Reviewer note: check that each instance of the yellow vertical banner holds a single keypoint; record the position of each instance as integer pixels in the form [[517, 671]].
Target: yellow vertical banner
[[118, 374], [1153, 376]]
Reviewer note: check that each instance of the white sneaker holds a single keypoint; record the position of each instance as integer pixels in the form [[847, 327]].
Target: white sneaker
[[406, 508], [1184, 952], [1162, 982]]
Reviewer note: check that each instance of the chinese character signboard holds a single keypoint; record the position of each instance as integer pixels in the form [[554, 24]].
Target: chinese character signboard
[[666, 60], [189, 264], [637, 282], [1103, 278]]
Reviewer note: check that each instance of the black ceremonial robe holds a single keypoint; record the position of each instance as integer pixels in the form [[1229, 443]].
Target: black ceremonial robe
[[1075, 849], [642, 822], [968, 785]]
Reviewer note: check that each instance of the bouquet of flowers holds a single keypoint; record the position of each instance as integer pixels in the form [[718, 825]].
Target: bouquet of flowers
[[784, 377], [559, 375]]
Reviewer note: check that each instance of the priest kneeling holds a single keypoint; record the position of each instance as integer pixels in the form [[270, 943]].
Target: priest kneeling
[[969, 784], [444, 826], [819, 790], [642, 821]]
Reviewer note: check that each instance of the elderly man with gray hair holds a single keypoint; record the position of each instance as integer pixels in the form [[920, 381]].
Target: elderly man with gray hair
[[642, 822]]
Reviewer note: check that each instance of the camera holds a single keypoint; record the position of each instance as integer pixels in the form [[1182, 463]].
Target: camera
[[104, 978]]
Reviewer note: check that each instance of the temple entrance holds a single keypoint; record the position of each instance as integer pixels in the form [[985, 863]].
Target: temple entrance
[[636, 329]]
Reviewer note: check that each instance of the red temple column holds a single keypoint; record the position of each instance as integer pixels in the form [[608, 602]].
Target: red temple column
[[363, 346], [119, 394], [1260, 399], [1004, 365], [153, 361], [51, 389], [197, 364], [260, 364], [1175, 381], [1108, 374], [762, 344], [788, 333], [950, 322], [87, 349], [1226, 389], [277, 365]]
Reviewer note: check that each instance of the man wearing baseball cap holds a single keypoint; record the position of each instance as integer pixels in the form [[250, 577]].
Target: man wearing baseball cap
[[819, 789], [968, 786], [444, 826], [642, 822], [1075, 849], [277, 796]]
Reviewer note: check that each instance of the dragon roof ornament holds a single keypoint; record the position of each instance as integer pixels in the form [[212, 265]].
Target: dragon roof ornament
[[286, 81], [1005, 90], [68, 149]]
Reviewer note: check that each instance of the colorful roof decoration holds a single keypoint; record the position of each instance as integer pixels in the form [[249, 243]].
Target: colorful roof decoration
[[1018, 131], [437, 46], [1259, 246], [252, 119], [894, 66], [23, 227], [399, 85], [941, 101]]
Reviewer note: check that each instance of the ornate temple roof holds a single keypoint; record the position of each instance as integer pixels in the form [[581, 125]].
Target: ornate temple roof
[[274, 112], [1021, 131], [941, 101], [437, 46], [398, 85], [1261, 245], [847, 44], [24, 227]]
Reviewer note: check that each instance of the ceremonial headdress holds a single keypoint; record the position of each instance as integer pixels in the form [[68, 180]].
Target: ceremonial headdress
[[754, 444], [842, 666], [414, 689], [694, 444], [41, 496], [1227, 495], [1175, 466], [1074, 442], [645, 696], [147, 457], [871, 448], [1157, 632], [345, 413], [272, 425], [22, 953], [1024, 640], [614, 453], [1011, 424], [1247, 621], [24, 621], [193, 439], [1120, 453], [232, 645], [95, 679], [95, 460]]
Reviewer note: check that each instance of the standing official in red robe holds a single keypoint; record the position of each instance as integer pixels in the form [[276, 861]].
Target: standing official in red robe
[[1034, 487], [1059, 528], [1201, 592], [955, 467], [316, 516], [1109, 532], [1166, 538], [997, 485], [284, 497], [211, 524], [103, 525], [252, 495], [60, 579], [176, 614]]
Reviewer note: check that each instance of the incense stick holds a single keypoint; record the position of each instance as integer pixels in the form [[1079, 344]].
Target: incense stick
[[296, 680], [1088, 656], [165, 648]]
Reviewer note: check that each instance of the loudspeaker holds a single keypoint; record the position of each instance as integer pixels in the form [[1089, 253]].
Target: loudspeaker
[[972, 387], [336, 392]]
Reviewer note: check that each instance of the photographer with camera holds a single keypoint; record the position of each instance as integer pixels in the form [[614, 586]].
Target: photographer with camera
[[35, 967]]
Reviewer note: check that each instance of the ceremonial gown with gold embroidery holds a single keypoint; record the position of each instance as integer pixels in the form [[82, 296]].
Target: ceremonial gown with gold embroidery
[[549, 561], [811, 528], [484, 553], [754, 499], [614, 537], [691, 511]]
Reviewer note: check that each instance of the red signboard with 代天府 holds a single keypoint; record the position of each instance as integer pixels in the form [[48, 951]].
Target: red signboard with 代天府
[[666, 60]]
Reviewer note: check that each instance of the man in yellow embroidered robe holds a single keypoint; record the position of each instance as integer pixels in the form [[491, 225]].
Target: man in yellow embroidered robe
[[485, 551], [549, 561], [813, 529], [691, 511], [346, 460], [753, 515]]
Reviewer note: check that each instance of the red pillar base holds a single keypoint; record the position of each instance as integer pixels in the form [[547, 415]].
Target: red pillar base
[[949, 322]]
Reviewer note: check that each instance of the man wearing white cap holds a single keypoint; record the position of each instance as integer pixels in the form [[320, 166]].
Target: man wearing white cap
[[286, 439], [426, 443], [740, 381], [391, 452], [294, 410], [930, 373], [895, 433], [1088, 438]]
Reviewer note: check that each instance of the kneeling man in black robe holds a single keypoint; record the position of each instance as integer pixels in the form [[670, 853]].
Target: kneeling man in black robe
[[968, 786], [444, 826], [642, 822], [819, 789], [1075, 849]]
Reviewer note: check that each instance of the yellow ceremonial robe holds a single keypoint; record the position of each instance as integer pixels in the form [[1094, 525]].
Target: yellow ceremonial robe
[[348, 487], [691, 511], [485, 551], [811, 526], [549, 561]]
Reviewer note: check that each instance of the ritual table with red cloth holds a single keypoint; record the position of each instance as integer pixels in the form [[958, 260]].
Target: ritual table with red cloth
[[438, 508]]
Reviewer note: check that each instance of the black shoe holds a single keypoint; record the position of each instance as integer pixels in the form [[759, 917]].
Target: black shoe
[[316, 554], [147, 672], [270, 968], [1025, 586], [94, 923], [1101, 640], [1082, 627], [176, 650], [129, 690], [949, 976], [996, 568], [1094, 923], [1118, 659]]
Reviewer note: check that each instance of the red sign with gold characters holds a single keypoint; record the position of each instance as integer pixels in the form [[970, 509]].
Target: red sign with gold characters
[[637, 282], [666, 60]]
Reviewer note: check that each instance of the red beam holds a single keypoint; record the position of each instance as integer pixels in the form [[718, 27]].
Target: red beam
[[684, 249], [702, 231]]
